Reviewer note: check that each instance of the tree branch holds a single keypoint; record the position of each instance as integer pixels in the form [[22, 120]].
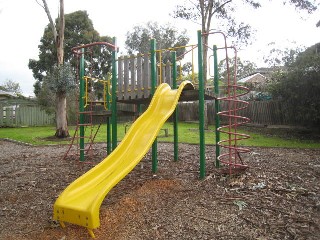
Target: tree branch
[[53, 27], [220, 7], [60, 33], [39, 4], [192, 3]]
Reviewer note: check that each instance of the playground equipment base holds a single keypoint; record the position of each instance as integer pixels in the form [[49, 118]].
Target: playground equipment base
[[80, 202]]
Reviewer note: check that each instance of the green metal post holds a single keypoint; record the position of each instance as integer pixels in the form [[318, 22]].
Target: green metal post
[[201, 107], [108, 119], [114, 96], [175, 114], [81, 105], [139, 108], [216, 103], [153, 89]]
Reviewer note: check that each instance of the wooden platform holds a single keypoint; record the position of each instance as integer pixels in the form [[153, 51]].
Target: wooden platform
[[186, 96]]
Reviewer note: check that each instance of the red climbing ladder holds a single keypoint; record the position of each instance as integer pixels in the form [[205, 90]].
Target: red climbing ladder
[[73, 150]]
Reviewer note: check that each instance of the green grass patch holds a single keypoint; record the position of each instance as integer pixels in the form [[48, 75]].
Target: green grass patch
[[187, 133]]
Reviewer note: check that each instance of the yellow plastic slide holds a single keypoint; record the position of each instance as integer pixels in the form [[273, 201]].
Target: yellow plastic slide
[[80, 202]]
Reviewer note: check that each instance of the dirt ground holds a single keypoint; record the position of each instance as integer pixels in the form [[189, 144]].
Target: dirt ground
[[278, 197]]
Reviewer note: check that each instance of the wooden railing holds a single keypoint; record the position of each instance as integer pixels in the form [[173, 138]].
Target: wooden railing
[[134, 78]]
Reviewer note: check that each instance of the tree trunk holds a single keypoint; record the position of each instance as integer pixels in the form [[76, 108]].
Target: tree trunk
[[61, 102], [205, 60], [206, 119], [61, 116]]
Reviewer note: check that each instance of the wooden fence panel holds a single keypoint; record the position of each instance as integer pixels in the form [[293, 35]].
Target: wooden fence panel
[[139, 76], [8, 116], [146, 76], [259, 112], [126, 77], [133, 77], [120, 78], [1, 114], [24, 115], [33, 116]]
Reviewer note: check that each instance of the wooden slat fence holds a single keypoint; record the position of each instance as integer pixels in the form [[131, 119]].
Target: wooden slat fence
[[259, 112], [24, 115]]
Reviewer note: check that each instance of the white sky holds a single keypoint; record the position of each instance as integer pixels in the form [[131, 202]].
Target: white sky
[[22, 23]]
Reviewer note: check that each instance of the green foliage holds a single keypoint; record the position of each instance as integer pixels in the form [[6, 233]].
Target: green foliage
[[308, 5], [299, 86], [188, 133], [281, 57], [243, 69], [78, 30], [221, 12], [187, 68], [190, 77], [61, 79], [166, 36], [11, 86]]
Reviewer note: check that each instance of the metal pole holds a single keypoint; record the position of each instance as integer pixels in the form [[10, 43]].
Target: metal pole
[[175, 114], [153, 89], [114, 97], [201, 108], [216, 103], [108, 118], [81, 105], [139, 109]]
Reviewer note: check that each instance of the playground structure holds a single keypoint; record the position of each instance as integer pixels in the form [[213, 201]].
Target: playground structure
[[80, 202]]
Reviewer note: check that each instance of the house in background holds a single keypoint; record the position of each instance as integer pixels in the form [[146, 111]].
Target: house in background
[[18, 111], [7, 107], [257, 83], [7, 95]]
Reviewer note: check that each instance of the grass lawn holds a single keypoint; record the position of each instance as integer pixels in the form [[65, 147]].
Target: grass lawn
[[188, 133]]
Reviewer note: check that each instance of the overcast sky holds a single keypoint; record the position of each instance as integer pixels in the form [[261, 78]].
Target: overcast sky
[[22, 23]]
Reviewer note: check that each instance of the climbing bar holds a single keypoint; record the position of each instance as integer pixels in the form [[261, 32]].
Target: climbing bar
[[75, 49], [231, 156]]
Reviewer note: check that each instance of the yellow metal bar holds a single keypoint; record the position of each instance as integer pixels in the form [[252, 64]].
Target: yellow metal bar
[[160, 66], [106, 83], [86, 91], [174, 48], [192, 74], [180, 73], [104, 96]]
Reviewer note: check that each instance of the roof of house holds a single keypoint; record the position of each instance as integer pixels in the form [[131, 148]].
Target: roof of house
[[254, 78], [7, 94]]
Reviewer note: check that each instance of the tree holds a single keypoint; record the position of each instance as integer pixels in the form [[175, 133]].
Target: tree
[[281, 57], [243, 69], [223, 11], [299, 87], [204, 11], [11, 86], [58, 38], [187, 68], [78, 30], [166, 36]]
